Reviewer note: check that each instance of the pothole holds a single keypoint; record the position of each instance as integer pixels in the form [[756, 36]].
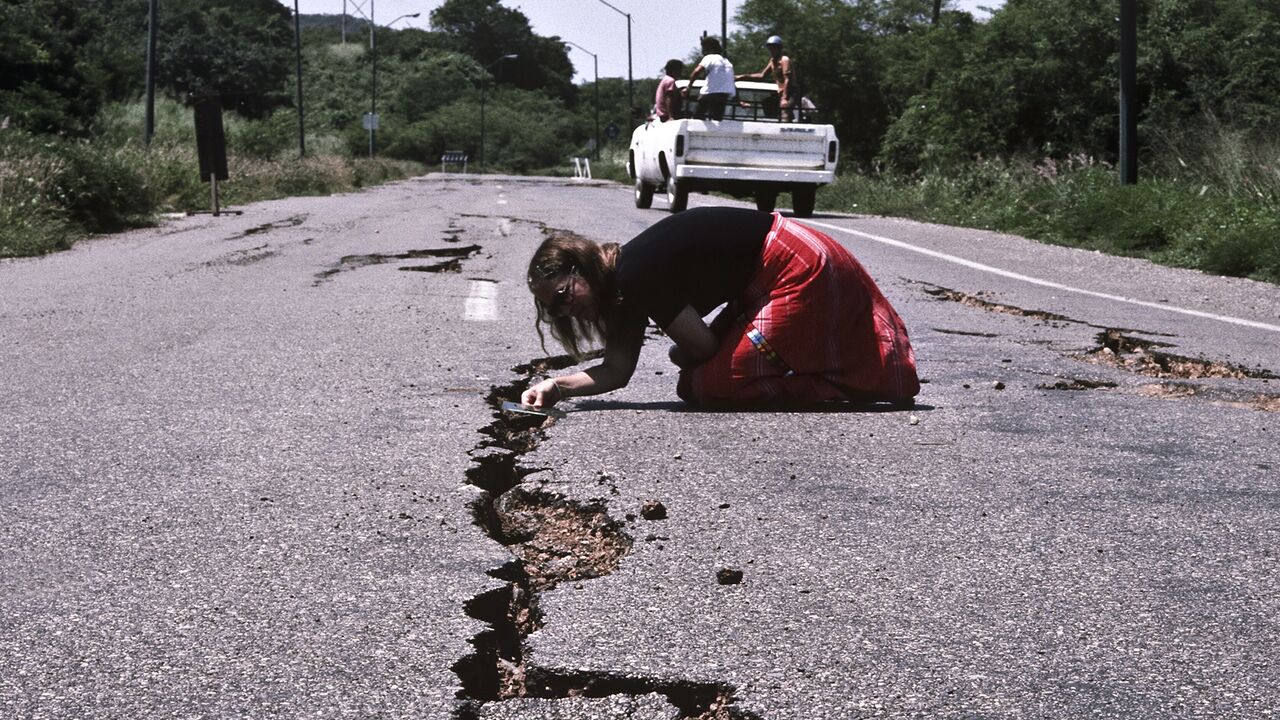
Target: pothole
[[352, 262], [553, 540], [1144, 357]]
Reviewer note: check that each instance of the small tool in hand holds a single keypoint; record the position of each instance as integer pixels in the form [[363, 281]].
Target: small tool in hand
[[508, 406]]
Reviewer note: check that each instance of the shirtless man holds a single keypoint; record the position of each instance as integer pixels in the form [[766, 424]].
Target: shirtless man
[[783, 72]]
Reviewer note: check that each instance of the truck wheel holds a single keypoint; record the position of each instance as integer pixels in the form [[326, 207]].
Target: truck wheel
[[766, 201], [803, 198], [677, 195], [644, 194]]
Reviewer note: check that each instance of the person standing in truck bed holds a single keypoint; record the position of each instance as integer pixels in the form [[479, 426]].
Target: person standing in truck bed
[[719, 87], [783, 71], [666, 101]]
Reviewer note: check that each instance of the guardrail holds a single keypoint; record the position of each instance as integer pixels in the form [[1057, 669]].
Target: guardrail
[[454, 157]]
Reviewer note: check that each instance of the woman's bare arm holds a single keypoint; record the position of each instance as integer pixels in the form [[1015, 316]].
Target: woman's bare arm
[[620, 357], [695, 343]]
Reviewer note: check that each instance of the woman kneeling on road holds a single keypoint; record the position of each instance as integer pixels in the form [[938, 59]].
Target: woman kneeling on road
[[804, 322]]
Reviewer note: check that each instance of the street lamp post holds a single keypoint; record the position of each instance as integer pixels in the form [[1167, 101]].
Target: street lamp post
[[484, 81], [631, 86], [596, 62], [373, 50]]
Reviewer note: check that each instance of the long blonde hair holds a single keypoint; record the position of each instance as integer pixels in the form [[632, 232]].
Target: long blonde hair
[[562, 254]]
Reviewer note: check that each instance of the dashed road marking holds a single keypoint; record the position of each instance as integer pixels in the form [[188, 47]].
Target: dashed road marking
[[481, 304], [1049, 283]]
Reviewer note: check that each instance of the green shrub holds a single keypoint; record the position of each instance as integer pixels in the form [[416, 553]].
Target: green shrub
[[1230, 237], [99, 190], [275, 135], [30, 222]]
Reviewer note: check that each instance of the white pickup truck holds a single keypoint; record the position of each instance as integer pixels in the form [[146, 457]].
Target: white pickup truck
[[747, 154]]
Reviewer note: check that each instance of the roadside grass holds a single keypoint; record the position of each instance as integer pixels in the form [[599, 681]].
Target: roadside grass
[[55, 191], [1219, 228]]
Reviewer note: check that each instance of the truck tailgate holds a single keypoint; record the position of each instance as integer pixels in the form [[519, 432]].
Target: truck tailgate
[[748, 144]]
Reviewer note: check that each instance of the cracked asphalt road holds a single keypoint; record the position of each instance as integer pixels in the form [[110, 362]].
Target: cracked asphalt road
[[230, 490]]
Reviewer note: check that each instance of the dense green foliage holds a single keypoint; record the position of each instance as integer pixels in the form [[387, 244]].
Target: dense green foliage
[[1008, 123], [1038, 79]]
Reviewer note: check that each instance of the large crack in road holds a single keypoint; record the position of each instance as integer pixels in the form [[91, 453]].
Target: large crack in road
[[1121, 349], [552, 540]]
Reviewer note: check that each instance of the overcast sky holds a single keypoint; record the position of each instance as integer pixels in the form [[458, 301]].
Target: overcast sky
[[591, 24]]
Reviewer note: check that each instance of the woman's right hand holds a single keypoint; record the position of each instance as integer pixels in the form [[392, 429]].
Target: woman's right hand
[[542, 395]]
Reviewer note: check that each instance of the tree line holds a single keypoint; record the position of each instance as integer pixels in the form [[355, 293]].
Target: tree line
[[913, 86]]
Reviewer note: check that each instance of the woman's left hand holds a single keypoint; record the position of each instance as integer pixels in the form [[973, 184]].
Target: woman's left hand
[[544, 394]]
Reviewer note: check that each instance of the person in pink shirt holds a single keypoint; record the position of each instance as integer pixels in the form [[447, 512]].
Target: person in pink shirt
[[666, 101]]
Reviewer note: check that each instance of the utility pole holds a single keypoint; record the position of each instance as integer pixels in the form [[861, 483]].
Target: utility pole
[[150, 130], [1128, 105], [297, 54], [937, 12], [724, 27]]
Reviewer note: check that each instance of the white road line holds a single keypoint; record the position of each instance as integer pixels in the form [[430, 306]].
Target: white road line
[[1049, 283], [481, 304]]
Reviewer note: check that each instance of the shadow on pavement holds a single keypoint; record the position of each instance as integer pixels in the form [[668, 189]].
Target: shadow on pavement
[[682, 407]]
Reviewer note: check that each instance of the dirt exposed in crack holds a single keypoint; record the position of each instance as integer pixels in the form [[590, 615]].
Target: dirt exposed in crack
[[351, 262], [552, 540], [1144, 357]]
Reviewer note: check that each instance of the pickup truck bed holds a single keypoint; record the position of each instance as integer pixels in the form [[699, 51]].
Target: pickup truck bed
[[746, 158]]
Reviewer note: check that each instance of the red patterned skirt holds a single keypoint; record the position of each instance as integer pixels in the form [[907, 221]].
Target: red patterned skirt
[[811, 326]]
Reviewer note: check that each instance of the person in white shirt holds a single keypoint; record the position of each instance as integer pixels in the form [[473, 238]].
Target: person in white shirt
[[719, 87]]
